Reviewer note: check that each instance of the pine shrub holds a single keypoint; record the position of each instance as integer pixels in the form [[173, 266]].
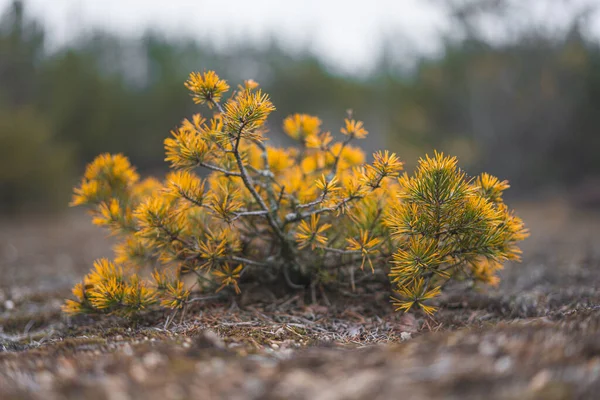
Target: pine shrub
[[314, 214]]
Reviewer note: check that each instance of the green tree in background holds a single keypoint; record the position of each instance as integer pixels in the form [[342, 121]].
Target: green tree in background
[[35, 167]]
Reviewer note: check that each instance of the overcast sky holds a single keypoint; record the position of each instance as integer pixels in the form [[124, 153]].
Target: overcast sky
[[347, 33]]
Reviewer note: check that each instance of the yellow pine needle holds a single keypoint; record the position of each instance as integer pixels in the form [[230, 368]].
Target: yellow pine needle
[[311, 233], [279, 160], [415, 293], [206, 87], [211, 252], [174, 295], [327, 185], [319, 141], [387, 164], [301, 126], [186, 149], [365, 245], [187, 186], [354, 129], [104, 270], [106, 177], [225, 201], [248, 112], [228, 277]]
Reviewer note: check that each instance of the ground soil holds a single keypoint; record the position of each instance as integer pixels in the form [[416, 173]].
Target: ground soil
[[536, 336]]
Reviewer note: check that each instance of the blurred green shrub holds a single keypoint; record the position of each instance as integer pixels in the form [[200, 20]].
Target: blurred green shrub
[[34, 170]]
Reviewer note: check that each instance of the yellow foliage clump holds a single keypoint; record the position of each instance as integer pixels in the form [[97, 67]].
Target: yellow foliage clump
[[312, 214]]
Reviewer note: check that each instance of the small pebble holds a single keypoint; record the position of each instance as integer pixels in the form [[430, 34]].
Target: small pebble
[[9, 305], [503, 364], [540, 380], [138, 372], [487, 348], [127, 350], [151, 360]]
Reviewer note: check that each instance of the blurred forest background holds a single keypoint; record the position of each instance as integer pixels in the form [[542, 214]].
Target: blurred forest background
[[525, 108]]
